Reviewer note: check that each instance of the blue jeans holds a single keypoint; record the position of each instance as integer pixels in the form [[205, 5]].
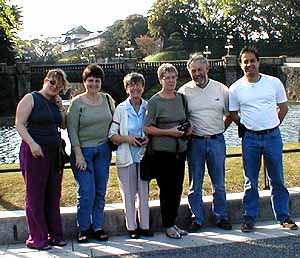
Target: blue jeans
[[92, 185], [270, 146], [213, 152]]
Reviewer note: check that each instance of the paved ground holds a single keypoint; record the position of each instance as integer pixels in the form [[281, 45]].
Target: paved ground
[[268, 240]]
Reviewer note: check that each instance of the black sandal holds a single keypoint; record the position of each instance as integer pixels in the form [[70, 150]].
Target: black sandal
[[82, 236], [100, 235], [60, 243]]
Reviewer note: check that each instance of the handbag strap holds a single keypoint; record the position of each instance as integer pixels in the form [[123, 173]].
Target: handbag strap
[[51, 115], [109, 105]]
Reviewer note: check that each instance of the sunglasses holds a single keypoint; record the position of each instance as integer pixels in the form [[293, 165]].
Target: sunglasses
[[54, 83]]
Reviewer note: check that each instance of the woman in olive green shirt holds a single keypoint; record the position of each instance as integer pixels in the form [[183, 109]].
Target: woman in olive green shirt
[[166, 111], [88, 122]]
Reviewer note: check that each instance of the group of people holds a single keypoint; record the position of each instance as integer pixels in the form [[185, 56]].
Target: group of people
[[187, 124]]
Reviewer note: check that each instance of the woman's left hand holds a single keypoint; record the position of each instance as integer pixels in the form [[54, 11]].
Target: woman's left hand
[[58, 102], [145, 141]]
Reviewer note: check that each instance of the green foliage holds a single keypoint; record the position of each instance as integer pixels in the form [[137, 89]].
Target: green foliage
[[167, 56], [169, 16], [9, 25], [120, 33]]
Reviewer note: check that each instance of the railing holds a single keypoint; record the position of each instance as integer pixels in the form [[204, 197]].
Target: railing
[[234, 155], [75, 67], [292, 60], [179, 64]]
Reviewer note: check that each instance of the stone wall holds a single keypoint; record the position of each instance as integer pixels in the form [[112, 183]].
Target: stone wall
[[292, 82]]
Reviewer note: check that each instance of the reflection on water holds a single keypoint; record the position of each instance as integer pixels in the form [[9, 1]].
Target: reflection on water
[[10, 140]]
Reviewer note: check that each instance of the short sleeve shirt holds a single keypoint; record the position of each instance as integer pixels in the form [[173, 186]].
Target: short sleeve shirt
[[257, 102]]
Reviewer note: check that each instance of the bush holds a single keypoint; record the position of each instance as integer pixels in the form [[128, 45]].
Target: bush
[[168, 56]]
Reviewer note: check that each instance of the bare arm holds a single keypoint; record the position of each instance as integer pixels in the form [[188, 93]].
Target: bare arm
[[283, 109], [154, 131], [58, 102], [131, 140], [23, 112], [234, 115], [227, 121]]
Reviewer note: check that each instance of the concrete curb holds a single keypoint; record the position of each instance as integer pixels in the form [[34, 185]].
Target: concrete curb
[[14, 222]]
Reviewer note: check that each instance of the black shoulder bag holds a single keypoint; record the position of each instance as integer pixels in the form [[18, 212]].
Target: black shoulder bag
[[112, 146], [63, 157]]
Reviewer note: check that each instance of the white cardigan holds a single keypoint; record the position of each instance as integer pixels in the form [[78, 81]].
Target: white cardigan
[[120, 126]]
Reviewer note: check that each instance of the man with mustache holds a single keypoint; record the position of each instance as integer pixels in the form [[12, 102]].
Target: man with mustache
[[207, 102], [258, 103]]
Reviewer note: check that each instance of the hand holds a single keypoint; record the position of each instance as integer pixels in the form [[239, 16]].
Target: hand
[[80, 162], [36, 150], [175, 133], [58, 102], [145, 141], [189, 131], [131, 140]]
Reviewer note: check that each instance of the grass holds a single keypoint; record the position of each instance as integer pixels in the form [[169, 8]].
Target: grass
[[12, 184]]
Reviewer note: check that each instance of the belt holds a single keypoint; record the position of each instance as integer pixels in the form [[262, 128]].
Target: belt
[[262, 131], [205, 136]]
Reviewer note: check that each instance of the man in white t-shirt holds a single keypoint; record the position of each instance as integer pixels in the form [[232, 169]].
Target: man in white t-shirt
[[258, 104], [207, 102]]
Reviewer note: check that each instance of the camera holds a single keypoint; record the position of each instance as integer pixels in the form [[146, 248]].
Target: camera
[[184, 126]]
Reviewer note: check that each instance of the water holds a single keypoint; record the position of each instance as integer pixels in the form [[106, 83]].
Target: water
[[10, 140]]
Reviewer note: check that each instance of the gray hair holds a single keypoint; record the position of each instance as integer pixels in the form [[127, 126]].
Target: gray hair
[[196, 57], [166, 68]]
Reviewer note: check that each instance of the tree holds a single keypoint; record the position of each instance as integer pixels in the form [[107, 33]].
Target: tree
[[146, 45], [9, 25], [120, 33], [40, 51], [168, 16]]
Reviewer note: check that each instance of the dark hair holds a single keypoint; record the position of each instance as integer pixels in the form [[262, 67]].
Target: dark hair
[[93, 70], [133, 78], [250, 49]]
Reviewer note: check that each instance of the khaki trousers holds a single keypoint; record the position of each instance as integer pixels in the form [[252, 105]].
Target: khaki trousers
[[134, 191]]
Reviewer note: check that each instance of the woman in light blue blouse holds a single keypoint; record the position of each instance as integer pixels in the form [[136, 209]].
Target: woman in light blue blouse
[[127, 132]]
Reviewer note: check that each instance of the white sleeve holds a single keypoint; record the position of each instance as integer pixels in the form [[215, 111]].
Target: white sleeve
[[280, 91], [234, 104], [115, 124]]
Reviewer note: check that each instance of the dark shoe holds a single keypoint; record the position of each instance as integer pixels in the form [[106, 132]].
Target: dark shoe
[[44, 248], [134, 234], [100, 235], [247, 226], [194, 227], [146, 232], [224, 224], [60, 243], [82, 236], [289, 224]]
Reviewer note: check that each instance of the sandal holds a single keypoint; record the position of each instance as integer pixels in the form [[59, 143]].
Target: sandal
[[60, 243], [82, 236], [181, 231], [171, 232], [100, 235]]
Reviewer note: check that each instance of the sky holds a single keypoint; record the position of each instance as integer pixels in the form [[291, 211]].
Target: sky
[[52, 18]]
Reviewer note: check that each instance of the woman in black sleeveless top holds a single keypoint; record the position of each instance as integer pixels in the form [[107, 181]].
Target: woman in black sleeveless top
[[38, 116]]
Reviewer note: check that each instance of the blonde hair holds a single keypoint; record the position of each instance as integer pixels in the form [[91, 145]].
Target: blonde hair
[[60, 76]]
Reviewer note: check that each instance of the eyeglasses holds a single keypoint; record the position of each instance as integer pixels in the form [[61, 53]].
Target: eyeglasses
[[137, 85], [54, 83]]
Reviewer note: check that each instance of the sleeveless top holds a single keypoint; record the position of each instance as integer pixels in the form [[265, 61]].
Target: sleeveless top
[[43, 125]]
